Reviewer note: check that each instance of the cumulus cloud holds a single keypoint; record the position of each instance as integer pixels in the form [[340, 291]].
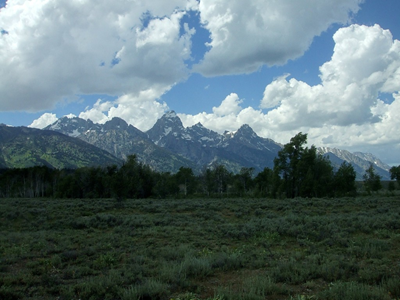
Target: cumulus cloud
[[53, 50], [365, 62], [44, 120], [140, 110], [343, 111], [228, 116], [56, 49], [97, 113], [229, 106], [246, 35]]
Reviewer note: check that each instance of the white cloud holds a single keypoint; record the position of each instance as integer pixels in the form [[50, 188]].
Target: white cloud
[[44, 120], [97, 112], [343, 111], [248, 34], [70, 116], [140, 110], [57, 49], [364, 63], [54, 50], [229, 106]]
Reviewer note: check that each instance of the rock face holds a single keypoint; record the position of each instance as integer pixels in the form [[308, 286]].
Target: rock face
[[168, 145]]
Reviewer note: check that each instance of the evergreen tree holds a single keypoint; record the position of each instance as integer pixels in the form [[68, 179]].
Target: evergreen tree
[[286, 164], [344, 180], [264, 182], [303, 172], [243, 181], [395, 174], [222, 178], [372, 181], [165, 185]]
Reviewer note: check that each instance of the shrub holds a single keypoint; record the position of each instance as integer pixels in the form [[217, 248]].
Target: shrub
[[392, 285], [150, 289], [353, 291]]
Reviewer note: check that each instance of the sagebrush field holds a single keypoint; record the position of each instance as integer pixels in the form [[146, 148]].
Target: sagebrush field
[[344, 248]]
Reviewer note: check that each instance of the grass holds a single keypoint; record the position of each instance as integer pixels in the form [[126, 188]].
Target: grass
[[345, 248]]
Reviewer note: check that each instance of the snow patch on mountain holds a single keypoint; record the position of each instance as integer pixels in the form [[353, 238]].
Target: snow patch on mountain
[[167, 131], [75, 133]]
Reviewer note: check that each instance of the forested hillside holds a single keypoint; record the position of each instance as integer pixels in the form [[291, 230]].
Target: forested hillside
[[22, 147]]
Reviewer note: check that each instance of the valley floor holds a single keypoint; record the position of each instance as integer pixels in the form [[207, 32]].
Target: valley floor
[[344, 248]]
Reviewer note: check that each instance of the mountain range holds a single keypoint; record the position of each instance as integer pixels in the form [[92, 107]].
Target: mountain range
[[168, 145]]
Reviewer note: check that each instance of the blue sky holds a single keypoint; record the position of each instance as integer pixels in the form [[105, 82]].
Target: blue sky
[[327, 68]]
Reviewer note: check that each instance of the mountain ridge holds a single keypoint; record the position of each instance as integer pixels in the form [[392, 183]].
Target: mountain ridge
[[121, 140], [168, 145]]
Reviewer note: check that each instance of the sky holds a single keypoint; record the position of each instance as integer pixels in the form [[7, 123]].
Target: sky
[[328, 68]]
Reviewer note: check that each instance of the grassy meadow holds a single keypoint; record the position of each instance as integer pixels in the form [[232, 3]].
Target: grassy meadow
[[344, 248]]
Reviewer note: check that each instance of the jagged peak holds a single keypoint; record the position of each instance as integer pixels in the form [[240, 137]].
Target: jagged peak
[[116, 122], [69, 117], [170, 117], [245, 131], [71, 120], [170, 114], [199, 127], [245, 128], [114, 119], [72, 126]]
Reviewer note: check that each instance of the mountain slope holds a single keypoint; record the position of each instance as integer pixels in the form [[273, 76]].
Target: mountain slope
[[243, 148], [359, 161], [168, 145], [258, 152], [22, 147], [121, 140], [169, 133]]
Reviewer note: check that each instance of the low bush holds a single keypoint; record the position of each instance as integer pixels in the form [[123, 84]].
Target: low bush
[[230, 248]]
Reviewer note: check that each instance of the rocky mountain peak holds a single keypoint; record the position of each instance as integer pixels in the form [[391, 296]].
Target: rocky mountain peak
[[170, 119], [167, 124], [199, 128], [71, 126], [170, 115], [195, 146], [198, 125], [245, 131], [116, 123]]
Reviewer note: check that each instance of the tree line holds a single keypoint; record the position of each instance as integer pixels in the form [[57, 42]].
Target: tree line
[[298, 172]]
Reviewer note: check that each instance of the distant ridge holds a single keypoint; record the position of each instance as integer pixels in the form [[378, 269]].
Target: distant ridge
[[360, 161], [120, 139], [22, 147], [168, 145]]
